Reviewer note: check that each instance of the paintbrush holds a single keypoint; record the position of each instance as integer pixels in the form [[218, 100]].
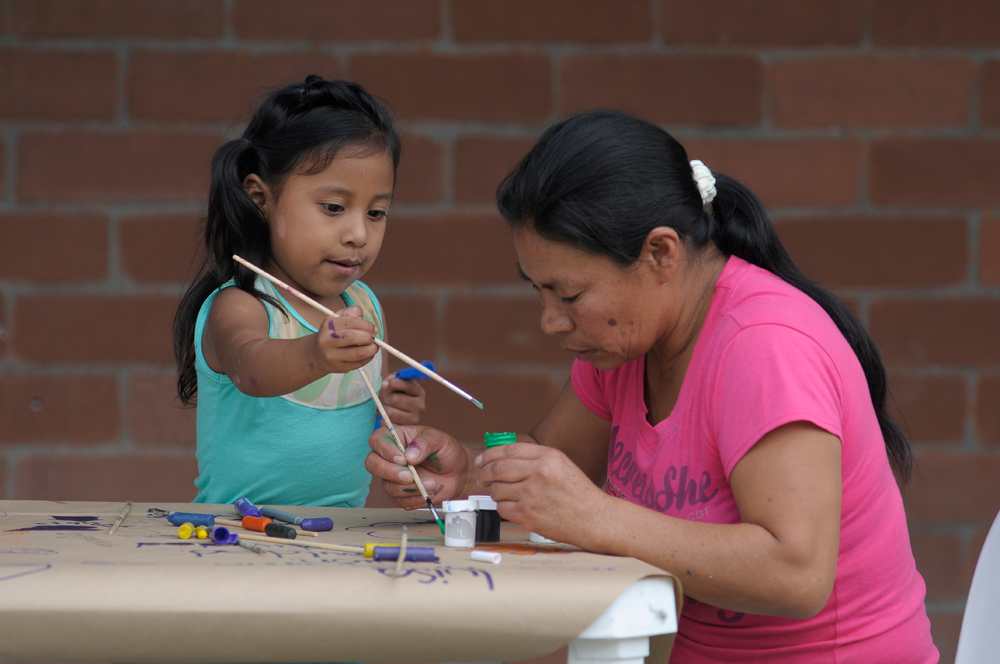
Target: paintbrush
[[121, 518], [403, 356]]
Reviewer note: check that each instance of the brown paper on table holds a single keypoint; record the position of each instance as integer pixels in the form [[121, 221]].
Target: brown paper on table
[[70, 591]]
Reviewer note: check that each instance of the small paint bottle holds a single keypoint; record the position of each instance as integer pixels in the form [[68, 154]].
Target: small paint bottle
[[494, 439], [460, 523], [487, 520]]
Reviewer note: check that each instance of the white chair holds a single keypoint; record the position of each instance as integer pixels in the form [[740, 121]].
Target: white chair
[[979, 640]]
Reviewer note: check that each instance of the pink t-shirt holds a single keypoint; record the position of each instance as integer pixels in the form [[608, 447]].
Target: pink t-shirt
[[769, 355]]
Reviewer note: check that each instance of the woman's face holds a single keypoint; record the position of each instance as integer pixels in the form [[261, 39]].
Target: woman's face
[[602, 313]]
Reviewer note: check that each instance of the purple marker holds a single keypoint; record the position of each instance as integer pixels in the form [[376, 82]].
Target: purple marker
[[415, 554], [221, 535], [246, 508]]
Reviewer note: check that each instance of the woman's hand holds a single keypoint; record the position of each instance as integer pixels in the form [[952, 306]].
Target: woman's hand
[[541, 489], [345, 342], [444, 466], [404, 400]]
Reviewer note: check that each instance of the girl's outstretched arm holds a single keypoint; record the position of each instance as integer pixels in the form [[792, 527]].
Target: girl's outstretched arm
[[236, 343]]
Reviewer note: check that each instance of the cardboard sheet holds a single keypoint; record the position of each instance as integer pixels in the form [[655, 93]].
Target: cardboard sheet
[[71, 591]]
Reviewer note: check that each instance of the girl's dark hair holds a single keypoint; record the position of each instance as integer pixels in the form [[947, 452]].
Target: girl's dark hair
[[602, 180], [299, 128]]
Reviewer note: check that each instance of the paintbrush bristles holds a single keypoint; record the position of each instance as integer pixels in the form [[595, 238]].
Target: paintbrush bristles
[[378, 342]]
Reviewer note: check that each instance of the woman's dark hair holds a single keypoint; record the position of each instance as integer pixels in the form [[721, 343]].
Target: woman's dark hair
[[602, 180], [299, 128]]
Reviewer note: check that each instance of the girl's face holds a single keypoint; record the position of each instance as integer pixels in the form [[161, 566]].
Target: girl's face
[[603, 313], [326, 228]]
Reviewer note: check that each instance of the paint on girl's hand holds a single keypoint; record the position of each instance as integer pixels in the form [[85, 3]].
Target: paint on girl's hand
[[333, 334], [436, 460], [409, 490]]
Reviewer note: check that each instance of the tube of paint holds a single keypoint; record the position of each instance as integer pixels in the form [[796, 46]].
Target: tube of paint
[[317, 525], [272, 529], [487, 520], [486, 557], [246, 508], [460, 523], [255, 523], [414, 554], [180, 518]]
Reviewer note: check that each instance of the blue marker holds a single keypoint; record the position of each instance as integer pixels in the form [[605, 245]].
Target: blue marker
[[409, 374], [313, 525]]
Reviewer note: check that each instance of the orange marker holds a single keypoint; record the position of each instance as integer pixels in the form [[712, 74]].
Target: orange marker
[[255, 523]]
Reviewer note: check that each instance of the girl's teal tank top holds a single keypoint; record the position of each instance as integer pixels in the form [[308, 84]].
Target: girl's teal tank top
[[304, 448]]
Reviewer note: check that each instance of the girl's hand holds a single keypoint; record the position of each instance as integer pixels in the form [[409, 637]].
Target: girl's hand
[[404, 400], [346, 342], [443, 464], [541, 489]]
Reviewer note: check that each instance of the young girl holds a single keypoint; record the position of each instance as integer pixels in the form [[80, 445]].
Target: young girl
[[283, 414], [725, 419]]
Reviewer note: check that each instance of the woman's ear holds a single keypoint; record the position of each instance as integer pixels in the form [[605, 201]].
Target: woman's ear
[[258, 190], [662, 251]]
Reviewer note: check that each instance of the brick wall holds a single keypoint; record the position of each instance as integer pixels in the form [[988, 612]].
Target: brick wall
[[870, 127]]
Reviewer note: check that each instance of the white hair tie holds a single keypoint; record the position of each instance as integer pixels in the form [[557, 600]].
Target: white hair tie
[[705, 181]]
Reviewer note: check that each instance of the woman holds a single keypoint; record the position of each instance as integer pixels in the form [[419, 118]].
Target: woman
[[732, 411]]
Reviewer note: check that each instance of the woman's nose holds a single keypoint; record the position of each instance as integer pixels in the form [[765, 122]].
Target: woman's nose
[[555, 321]]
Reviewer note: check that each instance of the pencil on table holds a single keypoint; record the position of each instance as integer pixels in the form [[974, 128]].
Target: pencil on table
[[403, 356], [121, 518]]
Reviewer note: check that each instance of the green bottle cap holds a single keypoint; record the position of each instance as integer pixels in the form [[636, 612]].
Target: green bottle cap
[[494, 439]]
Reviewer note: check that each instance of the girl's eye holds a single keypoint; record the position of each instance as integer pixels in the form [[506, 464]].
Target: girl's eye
[[333, 208], [377, 215]]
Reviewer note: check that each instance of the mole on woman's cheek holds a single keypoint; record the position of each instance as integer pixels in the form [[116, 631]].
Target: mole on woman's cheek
[[612, 322]]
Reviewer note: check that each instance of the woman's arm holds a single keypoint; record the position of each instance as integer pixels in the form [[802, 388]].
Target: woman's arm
[[780, 561], [236, 343]]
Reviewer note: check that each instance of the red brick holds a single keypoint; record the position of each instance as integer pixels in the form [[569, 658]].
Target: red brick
[[935, 22], [450, 249], [160, 248], [53, 247], [420, 177], [939, 557], [155, 416], [501, 331], [512, 403], [762, 22], [989, 251], [975, 549], [551, 21], [932, 409], [872, 92], [3, 463], [988, 411], [3, 150], [805, 172], [98, 328], [4, 328], [935, 171], [486, 87], [667, 89], [875, 252], [115, 167], [411, 326], [58, 85], [954, 487], [59, 409], [989, 95], [962, 332], [337, 20], [945, 628], [212, 86], [481, 163], [184, 19], [107, 478]]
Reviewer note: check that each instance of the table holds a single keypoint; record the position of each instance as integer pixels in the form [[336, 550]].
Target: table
[[70, 591]]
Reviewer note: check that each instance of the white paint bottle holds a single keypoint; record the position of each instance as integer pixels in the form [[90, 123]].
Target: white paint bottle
[[460, 523]]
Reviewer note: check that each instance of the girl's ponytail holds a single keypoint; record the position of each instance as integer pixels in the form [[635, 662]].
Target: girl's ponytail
[[296, 128], [602, 180], [740, 226]]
